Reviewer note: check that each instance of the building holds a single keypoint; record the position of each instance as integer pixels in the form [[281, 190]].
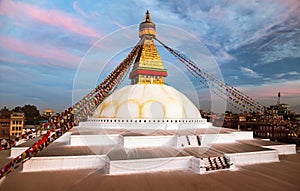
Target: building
[[16, 124], [5, 123], [11, 124], [48, 112], [283, 110]]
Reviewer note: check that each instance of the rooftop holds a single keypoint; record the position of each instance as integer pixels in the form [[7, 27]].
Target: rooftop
[[283, 175]]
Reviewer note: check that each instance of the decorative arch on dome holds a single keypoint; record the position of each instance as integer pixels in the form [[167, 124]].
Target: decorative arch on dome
[[147, 101]]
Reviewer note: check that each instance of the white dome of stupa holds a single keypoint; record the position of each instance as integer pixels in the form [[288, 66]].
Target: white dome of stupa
[[147, 101]]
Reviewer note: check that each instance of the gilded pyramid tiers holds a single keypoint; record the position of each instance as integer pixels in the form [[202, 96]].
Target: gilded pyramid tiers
[[148, 67]]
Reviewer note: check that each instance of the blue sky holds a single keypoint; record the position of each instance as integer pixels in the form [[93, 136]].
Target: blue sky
[[255, 43]]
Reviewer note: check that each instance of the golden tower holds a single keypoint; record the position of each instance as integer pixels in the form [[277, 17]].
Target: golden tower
[[148, 67]]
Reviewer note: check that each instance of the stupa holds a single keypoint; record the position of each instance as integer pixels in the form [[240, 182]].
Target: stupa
[[148, 99], [149, 126]]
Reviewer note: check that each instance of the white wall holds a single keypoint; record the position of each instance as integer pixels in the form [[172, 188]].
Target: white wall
[[243, 135], [193, 141], [16, 151], [82, 140], [208, 139], [182, 141], [149, 141], [253, 157], [197, 165], [285, 149], [66, 163], [148, 165], [65, 138], [135, 124]]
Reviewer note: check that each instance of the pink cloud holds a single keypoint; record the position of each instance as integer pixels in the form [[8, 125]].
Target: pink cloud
[[267, 91], [20, 10], [36, 50], [266, 94]]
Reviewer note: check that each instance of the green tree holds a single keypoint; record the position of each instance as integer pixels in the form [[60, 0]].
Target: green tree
[[18, 109], [32, 114]]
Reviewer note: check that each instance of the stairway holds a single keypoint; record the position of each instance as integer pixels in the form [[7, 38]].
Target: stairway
[[216, 163]]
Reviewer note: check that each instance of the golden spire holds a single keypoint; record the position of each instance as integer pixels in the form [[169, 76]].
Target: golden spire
[[148, 67], [147, 17], [147, 27]]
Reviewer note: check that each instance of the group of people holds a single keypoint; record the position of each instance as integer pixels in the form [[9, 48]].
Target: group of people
[[58, 126]]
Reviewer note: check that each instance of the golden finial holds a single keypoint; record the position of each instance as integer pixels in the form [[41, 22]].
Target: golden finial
[[147, 17]]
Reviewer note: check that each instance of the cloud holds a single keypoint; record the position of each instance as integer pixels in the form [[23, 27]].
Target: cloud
[[14, 60], [293, 73], [56, 18], [32, 49], [249, 72], [266, 29], [239, 33], [79, 10], [118, 24], [224, 56], [267, 91]]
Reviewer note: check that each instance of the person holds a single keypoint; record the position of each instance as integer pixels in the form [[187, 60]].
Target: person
[[7, 145], [12, 143], [3, 143]]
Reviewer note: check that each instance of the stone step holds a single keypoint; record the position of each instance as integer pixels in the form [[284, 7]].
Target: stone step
[[216, 163]]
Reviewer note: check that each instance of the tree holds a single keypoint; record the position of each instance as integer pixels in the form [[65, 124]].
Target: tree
[[32, 114], [18, 109]]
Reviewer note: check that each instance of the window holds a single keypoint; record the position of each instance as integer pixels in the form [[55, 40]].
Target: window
[[13, 128]]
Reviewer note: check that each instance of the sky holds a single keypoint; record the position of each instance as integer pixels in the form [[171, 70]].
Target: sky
[[256, 44]]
